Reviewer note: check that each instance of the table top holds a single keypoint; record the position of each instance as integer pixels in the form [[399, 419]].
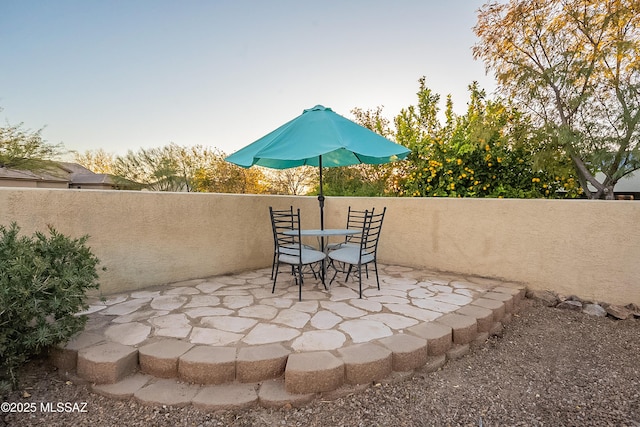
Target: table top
[[324, 233]]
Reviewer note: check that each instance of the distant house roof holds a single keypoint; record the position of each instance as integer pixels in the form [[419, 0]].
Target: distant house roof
[[29, 178], [79, 175], [60, 175]]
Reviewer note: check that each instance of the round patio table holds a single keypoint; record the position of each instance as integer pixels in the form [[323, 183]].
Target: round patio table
[[321, 234]]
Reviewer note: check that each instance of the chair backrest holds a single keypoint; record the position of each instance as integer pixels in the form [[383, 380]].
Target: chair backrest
[[356, 219], [285, 220], [371, 234]]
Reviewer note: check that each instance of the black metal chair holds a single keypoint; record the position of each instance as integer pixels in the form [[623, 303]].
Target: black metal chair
[[289, 248], [281, 220], [355, 221], [363, 255]]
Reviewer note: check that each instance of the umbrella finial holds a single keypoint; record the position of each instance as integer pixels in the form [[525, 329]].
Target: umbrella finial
[[317, 108]]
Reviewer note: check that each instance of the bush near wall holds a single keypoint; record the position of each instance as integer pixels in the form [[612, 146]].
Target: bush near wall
[[43, 284]]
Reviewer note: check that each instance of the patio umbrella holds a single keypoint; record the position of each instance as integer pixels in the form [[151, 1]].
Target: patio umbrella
[[319, 137]]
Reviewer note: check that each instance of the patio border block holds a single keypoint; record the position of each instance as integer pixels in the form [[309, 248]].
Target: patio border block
[[366, 362], [518, 292], [465, 328], [225, 397], [107, 363], [65, 357], [434, 363], [496, 306], [408, 352], [167, 392], [483, 316], [273, 394], [457, 351], [439, 337], [208, 365], [507, 299], [123, 389], [160, 358], [259, 363], [313, 372]]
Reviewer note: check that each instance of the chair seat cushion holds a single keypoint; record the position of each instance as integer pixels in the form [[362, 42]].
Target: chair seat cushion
[[335, 246], [309, 256], [350, 255], [292, 249]]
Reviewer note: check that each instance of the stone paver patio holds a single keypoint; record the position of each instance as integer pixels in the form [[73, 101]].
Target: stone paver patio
[[228, 342]]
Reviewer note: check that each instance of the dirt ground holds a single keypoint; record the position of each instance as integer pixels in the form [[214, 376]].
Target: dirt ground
[[550, 367]]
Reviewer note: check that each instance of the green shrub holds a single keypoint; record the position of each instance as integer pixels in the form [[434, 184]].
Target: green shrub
[[43, 280]]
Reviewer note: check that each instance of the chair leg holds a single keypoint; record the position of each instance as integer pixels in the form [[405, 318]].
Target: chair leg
[[334, 276], [375, 265], [360, 279], [348, 273], [275, 278], [299, 283], [323, 274], [273, 266]]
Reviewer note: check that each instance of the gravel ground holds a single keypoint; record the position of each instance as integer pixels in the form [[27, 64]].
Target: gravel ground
[[550, 367]]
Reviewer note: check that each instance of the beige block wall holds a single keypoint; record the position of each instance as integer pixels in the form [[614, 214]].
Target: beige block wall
[[581, 247], [587, 248], [152, 238]]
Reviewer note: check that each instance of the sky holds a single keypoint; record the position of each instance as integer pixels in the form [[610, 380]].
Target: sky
[[122, 75]]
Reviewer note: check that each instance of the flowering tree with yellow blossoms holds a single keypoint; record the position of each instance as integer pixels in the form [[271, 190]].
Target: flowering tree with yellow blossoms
[[488, 152]]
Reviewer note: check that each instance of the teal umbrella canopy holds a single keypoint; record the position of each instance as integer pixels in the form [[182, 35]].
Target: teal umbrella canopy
[[318, 131], [319, 137]]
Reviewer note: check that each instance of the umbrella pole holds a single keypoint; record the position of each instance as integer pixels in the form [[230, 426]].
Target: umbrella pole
[[321, 196], [321, 203]]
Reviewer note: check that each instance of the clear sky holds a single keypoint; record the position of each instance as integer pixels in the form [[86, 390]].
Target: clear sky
[[125, 74]]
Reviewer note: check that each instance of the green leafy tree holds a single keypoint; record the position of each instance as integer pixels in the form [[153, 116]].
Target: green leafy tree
[[575, 66], [178, 168], [26, 149], [168, 168], [351, 181]]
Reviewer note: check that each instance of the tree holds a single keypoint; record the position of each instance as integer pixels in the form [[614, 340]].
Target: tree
[[168, 168], [25, 149], [98, 161], [293, 181], [488, 152], [575, 65], [355, 181], [220, 176]]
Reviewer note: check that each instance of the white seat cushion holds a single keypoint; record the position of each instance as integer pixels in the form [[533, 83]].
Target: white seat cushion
[[335, 246], [350, 255], [309, 256]]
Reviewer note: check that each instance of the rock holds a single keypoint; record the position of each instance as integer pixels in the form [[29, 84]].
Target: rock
[[594, 310], [634, 309], [546, 297], [570, 305], [577, 298], [618, 311]]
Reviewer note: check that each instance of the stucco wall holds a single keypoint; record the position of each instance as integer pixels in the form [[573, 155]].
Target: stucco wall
[[587, 248], [151, 238], [581, 247]]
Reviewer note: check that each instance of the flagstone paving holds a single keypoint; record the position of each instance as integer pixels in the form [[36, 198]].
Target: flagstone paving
[[228, 330]]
